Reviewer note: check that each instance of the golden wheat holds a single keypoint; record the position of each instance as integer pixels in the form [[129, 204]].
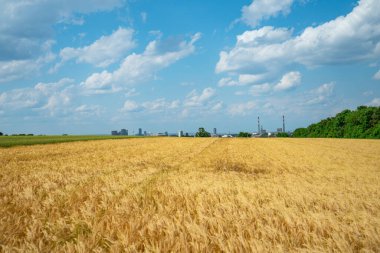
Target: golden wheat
[[191, 195]]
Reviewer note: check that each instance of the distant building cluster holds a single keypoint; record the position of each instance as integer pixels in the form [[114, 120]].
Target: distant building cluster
[[122, 132], [261, 132], [140, 132]]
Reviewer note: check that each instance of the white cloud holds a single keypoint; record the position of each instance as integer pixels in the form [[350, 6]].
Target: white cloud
[[131, 93], [227, 81], [217, 106], [130, 106], [137, 68], [324, 89], [249, 79], [19, 69], [289, 81], [377, 75], [320, 95], [374, 102], [160, 105], [26, 25], [241, 109], [257, 90], [264, 35], [144, 17], [260, 10], [88, 110], [243, 79], [104, 51], [48, 99], [157, 105], [346, 39], [43, 96], [16, 69], [99, 83], [194, 99], [57, 102]]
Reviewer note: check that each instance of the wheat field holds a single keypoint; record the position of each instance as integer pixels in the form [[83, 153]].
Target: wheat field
[[191, 195]]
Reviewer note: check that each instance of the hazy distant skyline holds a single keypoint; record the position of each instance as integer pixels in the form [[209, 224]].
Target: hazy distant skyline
[[91, 66]]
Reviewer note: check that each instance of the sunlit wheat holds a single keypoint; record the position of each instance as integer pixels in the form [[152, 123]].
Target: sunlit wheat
[[191, 195]]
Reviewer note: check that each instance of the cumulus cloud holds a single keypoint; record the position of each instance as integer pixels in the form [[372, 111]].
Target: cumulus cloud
[[241, 109], [144, 17], [160, 104], [99, 83], [131, 92], [289, 81], [130, 106], [260, 10], [154, 106], [377, 75], [257, 90], [16, 69], [194, 99], [104, 51], [374, 102], [227, 81], [346, 39], [89, 110], [320, 95], [26, 25], [57, 101], [195, 103], [217, 106], [313, 102], [20, 69], [50, 97], [244, 79], [137, 68]]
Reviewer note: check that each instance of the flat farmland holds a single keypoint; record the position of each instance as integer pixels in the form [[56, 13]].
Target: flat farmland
[[191, 195]]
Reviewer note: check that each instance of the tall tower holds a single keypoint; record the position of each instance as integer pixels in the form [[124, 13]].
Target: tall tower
[[283, 123], [258, 125]]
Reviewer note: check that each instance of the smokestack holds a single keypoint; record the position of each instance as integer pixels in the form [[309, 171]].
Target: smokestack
[[283, 123], [258, 125]]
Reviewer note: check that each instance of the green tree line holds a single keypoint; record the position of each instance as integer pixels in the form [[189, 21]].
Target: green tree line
[[364, 122]]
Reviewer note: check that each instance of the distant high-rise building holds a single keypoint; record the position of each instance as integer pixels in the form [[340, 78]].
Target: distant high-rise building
[[114, 133], [180, 133], [140, 132], [145, 134], [166, 133], [214, 132], [124, 132], [283, 123]]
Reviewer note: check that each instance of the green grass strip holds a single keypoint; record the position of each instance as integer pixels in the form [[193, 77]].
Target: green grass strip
[[11, 141]]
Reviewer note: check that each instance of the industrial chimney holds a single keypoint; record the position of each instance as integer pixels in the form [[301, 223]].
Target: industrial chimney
[[258, 126]]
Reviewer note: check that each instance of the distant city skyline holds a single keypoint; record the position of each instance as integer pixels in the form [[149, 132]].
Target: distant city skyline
[[181, 133], [91, 66]]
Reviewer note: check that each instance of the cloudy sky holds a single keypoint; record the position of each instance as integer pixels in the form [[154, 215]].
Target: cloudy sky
[[92, 66]]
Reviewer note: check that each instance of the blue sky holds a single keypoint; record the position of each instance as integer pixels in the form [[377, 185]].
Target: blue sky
[[92, 66]]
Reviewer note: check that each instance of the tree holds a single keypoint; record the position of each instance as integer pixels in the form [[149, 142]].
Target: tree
[[1, 134], [282, 135], [301, 132], [364, 122], [202, 133], [245, 134]]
